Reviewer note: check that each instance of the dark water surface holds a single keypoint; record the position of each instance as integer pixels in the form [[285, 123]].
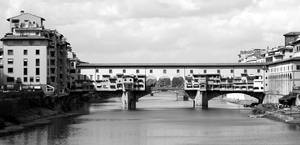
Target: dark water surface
[[160, 120]]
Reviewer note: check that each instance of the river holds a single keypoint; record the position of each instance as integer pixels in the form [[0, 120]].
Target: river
[[160, 120]]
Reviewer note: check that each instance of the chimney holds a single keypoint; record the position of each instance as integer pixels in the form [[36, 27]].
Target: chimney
[[22, 11]]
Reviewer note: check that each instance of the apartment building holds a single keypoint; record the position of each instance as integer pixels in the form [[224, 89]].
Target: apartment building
[[252, 56], [34, 56]]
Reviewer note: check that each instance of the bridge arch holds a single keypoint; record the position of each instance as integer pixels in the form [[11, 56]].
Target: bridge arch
[[257, 95]]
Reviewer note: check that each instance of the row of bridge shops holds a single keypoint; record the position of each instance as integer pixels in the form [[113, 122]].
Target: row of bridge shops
[[217, 82]]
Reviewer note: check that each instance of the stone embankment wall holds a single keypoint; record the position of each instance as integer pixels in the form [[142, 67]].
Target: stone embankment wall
[[22, 107]]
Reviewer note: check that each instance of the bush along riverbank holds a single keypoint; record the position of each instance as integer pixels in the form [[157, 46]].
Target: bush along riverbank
[[27, 109], [277, 112]]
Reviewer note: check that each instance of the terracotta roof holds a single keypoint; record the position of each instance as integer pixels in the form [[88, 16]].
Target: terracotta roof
[[8, 19]]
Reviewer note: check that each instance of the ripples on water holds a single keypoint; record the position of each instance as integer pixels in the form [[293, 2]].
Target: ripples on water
[[160, 120]]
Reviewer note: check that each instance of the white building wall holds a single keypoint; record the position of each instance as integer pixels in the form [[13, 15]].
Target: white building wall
[[18, 60]]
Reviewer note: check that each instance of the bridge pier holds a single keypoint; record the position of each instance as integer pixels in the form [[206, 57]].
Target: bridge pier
[[128, 100], [201, 99]]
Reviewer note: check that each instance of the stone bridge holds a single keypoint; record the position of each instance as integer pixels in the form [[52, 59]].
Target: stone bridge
[[201, 82]]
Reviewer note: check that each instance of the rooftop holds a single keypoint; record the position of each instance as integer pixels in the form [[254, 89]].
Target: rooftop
[[285, 60], [22, 13], [91, 65], [292, 34], [14, 37]]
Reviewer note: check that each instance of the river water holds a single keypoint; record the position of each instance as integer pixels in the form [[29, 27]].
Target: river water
[[160, 120]]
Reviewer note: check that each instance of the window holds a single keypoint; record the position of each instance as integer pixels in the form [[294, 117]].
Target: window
[[10, 52], [25, 79], [10, 79], [298, 67], [97, 70], [52, 53], [137, 71], [37, 71], [245, 71], [10, 61], [25, 71], [91, 77], [52, 61], [124, 71], [10, 70], [110, 71], [52, 70], [151, 71], [164, 71], [98, 77], [37, 52], [178, 71], [25, 52], [231, 71], [191, 71], [205, 71], [37, 62], [31, 79], [52, 79], [258, 70], [25, 62], [37, 79], [218, 71]]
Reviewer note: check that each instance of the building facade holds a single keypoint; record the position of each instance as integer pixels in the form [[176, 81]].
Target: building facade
[[252, 56], [1, 68], [34, 56], [283, 78]]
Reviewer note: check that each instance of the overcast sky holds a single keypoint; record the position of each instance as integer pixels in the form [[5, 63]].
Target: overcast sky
[[153, 31]]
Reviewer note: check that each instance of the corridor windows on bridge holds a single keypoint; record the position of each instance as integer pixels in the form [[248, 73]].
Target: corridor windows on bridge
[[232, 71], [97, 70], [245, 71], [178, 71], [151, 71], [164, 71], [218, 71], [137, 71], [258, 70], [124, 71], [191, 71], [110, 71], [205, 71]]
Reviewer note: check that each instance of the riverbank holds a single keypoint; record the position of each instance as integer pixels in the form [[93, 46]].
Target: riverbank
[[22, 110], [34, 120], [275, 112]]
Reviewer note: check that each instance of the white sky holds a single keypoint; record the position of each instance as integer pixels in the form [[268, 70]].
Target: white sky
[[153, 31]]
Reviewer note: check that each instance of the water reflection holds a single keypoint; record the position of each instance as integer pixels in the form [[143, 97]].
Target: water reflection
[[159, 121]]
